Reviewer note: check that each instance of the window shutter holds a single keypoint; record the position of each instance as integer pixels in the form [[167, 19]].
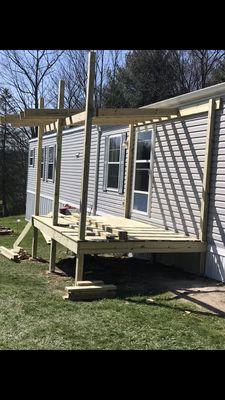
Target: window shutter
[[44, 164], [54, 164], [122, 165], [106, 159], [34, 157]]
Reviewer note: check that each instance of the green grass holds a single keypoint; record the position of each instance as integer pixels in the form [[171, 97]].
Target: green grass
[[33, 314]]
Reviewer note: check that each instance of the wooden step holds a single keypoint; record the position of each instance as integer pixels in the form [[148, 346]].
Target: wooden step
[[90, 292]]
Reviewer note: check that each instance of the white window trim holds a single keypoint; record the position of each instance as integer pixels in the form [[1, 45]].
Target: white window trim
[[146, 213], [113, 189]]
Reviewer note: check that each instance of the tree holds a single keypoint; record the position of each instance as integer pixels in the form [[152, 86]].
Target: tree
[[147, 76], [13, 161], [26, 73]]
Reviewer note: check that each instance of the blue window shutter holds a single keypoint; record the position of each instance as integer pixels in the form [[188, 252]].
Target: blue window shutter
[[44, 164], [106, 159], [54, 165], [122, 165], [34, 157]]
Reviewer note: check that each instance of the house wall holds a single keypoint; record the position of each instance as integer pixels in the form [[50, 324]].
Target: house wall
[[176, 185], [71, 172]]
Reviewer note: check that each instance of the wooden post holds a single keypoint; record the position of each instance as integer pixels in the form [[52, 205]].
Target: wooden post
[[86, 160], [59, 129], [38, 182], [128, 190], [206, 180], [97, 170]]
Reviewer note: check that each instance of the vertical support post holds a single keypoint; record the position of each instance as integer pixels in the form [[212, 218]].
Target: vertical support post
[[38, 182], [86, 161], [97, 171], [206, 180], [128, 189], [57, 172]]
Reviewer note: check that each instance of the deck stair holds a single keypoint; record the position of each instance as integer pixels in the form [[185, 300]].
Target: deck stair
[[90, 290]]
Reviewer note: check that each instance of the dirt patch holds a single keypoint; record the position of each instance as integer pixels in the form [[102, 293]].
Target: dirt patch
[[139, 277]]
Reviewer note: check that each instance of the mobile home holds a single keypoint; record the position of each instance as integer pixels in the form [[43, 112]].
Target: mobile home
[[165, 172]]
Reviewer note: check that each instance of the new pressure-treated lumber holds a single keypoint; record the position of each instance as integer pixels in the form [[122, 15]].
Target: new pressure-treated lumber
[[22, 236], [38, 182], [9, 253], [50, 112], [206, 178], [86, 160], [59, 126], [141, 238], [90, 292], [128, 188]]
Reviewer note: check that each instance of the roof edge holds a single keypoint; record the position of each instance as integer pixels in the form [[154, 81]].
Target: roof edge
[[200, 94]]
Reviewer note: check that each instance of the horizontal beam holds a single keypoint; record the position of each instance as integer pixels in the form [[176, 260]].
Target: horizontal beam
[[137, 112], [31, 122], [6, 119], [140, 246], [56, 234], [53, 113], [76, 119]]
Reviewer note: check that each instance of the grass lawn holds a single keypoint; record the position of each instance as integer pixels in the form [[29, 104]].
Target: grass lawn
[[33, 314]]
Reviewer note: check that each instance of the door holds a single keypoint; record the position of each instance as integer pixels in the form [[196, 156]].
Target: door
[[141, 182]]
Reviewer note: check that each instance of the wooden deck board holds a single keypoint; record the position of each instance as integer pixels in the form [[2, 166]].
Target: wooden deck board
[[141, 237]]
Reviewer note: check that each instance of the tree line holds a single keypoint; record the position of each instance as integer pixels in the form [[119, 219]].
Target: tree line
[[122, 79]]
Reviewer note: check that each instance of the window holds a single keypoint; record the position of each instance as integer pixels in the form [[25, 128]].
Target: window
[[31, 158], [141, 171], [114, 162], [50, 166]]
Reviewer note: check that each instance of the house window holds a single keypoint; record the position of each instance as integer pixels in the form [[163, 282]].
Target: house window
[[114, 161], [31, 158], [50, 167], [142, 171]]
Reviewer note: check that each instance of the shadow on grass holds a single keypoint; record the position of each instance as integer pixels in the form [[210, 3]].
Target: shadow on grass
[[138, 277]]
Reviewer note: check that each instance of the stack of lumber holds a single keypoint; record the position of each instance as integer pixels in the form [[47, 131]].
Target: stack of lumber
[[90, 290], [15, 255], [5, 231], [101, 229]]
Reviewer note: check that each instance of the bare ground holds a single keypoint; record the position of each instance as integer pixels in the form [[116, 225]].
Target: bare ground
[[138, 277]]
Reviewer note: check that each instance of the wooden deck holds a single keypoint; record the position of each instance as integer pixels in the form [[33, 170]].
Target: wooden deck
[[110, 234]]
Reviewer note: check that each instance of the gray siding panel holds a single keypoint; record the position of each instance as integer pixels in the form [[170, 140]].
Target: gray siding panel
[[177, 181]]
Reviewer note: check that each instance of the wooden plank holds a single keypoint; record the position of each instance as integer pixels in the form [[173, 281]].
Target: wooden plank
[[57, 173], [86, 160], [22, 235], [92, 292], [6, 119], [199, 108], [56, 234], [140, 246], [32, 122], [139, 112], [87, 145], [206, 179], [89, 283], [38, 182], [9, 253], [50, 112], [128, 188], [76, 119], [206, 171]]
